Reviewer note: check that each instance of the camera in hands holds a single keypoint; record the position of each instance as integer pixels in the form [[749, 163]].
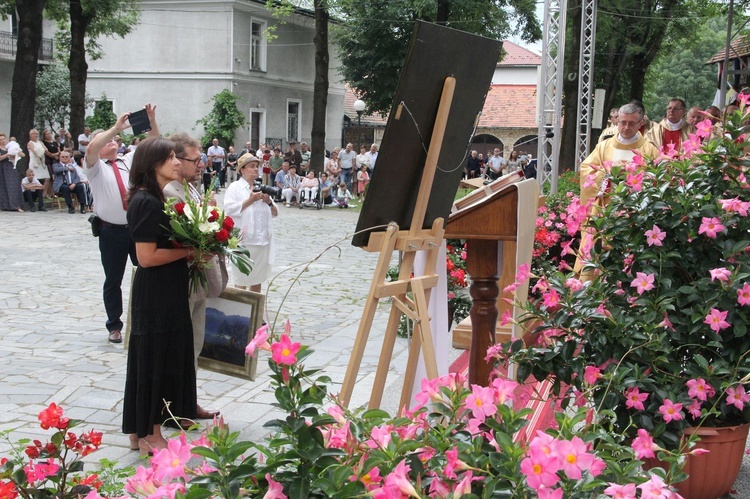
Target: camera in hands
[[274, 192]]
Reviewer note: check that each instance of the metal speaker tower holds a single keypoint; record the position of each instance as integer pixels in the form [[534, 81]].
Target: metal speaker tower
[[586, 78]]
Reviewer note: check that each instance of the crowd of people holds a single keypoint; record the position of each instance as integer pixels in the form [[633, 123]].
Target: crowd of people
[[495, 165]]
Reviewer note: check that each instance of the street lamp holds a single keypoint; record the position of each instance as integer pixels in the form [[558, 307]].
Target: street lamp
[[359, 106]]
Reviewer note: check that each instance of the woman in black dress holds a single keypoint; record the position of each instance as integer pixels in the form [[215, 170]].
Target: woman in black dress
[[160, 354], [10, 183]]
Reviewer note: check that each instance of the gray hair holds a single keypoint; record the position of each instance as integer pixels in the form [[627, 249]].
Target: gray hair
[[631, 108]]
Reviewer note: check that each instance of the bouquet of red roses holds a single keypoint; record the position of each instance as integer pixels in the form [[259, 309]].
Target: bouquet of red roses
[[206, 230]]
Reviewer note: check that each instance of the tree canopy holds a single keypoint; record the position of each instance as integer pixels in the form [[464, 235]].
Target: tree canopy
[[223, 120], [373, 36]]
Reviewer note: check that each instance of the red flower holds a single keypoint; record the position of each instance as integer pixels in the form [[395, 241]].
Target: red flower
[[180, 208], [70, 440], [8, 490], [222, 235], [213, 216], [32, 451], [52, 417], [228, 223]]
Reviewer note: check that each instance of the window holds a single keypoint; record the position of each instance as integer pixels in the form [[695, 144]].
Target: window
[[293, 120], [258, 46]]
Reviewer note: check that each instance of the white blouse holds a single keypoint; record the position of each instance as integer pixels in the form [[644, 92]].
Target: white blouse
[[255, 221]]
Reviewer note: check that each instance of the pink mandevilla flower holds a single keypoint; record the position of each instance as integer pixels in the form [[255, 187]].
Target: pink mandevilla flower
[[720, 273], [634, 399], [695, 409], [643, 445], [481, 402], [284, 351], [671, 411], [170, 462], [260, 340], [399, 478], [616, 491], [699, 389], [635, 181], [503, 390], [711, 227], [275, 490], [655, 488], [655, 236], [574, 457], [717, 319], [551, 298], [642, 282], [743, 295], [540, 469], [737, 397], [573, 284], [591, 374]]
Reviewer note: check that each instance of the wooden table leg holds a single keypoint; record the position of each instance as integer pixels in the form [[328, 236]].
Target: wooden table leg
[[482, 266]]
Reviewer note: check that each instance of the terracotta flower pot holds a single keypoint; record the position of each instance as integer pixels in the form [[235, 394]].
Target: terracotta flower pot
[[712, 475]]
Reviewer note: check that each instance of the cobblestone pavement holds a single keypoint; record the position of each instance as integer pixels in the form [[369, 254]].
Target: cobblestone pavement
[[53, 343]]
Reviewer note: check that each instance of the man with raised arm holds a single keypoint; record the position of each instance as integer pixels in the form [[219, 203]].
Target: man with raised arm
[[109, 177]]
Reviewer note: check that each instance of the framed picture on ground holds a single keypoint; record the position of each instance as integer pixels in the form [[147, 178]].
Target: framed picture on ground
[[231, 322]]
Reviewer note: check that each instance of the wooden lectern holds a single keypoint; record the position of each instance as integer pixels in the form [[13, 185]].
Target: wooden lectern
[[488, 220]]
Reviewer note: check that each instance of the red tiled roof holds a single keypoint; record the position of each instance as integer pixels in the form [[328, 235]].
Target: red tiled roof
[[519, 56], [740, 47], [510, 106], [371, 120]]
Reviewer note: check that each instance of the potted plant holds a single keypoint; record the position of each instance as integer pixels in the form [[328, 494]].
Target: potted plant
[[657, 340]]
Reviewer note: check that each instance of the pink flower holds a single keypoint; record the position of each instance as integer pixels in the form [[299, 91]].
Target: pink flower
[[590, 181], [643, 445], [737, 397], [551, 298], [574, 457], [142, 483], [711, 227], [695, 409], [275, 490], [464, 486], [591, 374], [170, 462], [481, 402], [504, 390], [506, 318], [547, 493], [616, 491], [284, 351], [655, 236], [399, 478], [655, 488], [699, 389], [720, 273], [371, 478], [642, 282], [380, 437], [573, 284], [40, 471], [635, 181], [671, 411], [717, 319], [704, 128], [453, 463], [743, 295], [260, 340], [634, 399], [540, 469]]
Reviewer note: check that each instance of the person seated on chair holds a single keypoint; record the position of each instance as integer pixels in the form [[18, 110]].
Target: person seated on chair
[[325, 189], [32, 190], [89, 198], [67, 180], [309, 187], [279, 179], [292, 187]]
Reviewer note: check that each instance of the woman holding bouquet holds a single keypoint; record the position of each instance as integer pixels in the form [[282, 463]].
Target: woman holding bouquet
[[160, 354], [254, 212]]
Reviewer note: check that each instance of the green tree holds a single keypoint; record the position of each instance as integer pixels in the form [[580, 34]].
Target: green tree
[[86, 21], [25, 68], [374, 35], [223, 120], [681, 71], [103, 116], [52, 97]]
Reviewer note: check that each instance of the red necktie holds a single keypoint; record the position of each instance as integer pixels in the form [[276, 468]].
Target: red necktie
[[120, 185]]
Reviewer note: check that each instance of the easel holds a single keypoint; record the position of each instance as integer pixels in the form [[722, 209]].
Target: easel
[[409, 242]]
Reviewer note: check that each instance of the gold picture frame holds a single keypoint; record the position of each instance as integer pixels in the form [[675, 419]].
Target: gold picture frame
[[231, 322]]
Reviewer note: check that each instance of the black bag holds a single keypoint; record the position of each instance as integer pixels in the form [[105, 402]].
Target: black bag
[[96, 225]]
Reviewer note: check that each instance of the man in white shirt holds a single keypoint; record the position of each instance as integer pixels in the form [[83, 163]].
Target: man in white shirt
[[373, 156], [216, 156], [496, 164], [84, 140], [188, 151], [348, 158], [109, 177]]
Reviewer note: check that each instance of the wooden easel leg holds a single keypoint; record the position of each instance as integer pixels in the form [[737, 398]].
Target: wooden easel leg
[[368, 315], [386, 354]]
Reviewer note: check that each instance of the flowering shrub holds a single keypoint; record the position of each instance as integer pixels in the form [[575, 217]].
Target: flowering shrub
[[207, 230], [52, 469], [657, 340], [459, 301]]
